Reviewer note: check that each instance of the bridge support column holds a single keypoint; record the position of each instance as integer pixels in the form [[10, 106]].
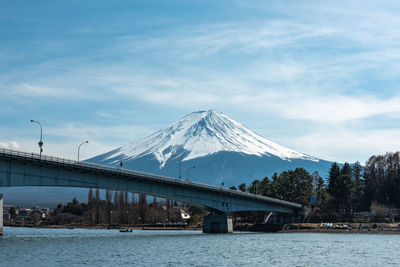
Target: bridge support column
[[1, 214], [215, 223]]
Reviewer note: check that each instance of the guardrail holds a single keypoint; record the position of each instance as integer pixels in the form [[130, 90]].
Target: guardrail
[[148, 176]]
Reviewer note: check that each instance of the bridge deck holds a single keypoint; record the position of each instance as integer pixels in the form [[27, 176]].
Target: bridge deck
[[108, 171]]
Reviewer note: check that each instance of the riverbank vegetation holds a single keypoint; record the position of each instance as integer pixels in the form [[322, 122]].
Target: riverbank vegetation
[[351, 192], [117, 209]]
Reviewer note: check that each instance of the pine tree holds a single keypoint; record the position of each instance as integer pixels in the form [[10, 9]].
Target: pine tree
[[254, 187], [346, 169], [243, 187], [334, 173], [359, 182]]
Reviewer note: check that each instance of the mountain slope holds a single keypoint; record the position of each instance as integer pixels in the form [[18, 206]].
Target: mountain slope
[[219, 148]]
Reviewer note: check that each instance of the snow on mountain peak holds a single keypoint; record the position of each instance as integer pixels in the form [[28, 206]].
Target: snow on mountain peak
[[204, 133]]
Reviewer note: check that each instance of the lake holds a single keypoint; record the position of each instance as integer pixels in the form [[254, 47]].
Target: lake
[[76, 247]]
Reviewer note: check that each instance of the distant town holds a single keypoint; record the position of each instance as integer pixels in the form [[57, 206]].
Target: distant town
[[125, 210]]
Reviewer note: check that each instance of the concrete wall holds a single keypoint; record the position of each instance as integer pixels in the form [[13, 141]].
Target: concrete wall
[[1, 214]]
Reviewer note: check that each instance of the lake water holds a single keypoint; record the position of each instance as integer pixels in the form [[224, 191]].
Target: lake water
[[75, 247]]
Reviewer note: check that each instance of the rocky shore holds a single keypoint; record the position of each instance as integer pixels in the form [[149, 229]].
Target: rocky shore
[[364, 228]]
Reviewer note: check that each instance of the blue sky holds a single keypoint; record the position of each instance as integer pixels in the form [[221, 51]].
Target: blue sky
[[319, 77]]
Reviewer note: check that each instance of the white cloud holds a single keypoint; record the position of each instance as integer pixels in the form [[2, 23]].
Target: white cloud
[[29, 90], [10, 145], [80, 132], [341, 144], [337, 108], [3, 145]]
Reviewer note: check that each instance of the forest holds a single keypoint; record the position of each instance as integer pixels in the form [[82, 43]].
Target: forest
[[349, 191]]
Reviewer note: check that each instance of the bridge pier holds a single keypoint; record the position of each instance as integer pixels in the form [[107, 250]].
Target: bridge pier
[[1, 214], [217, 223]]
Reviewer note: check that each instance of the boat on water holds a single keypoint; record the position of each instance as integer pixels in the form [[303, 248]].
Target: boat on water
[[125, 230]]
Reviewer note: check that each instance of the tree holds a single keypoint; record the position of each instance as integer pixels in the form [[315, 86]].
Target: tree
[[90, 206], [121, 208], [243, 187], [267, 188], [90, 195], [74, 207], [382, 180], [321, 192], [233, 187], [108, 206], [334, 172], [254, 187], [13, 212], [295, 186], [341, 187], [97, 206], [358, 182], [142, 207], [303, 186], [115, 208], [346, 169]]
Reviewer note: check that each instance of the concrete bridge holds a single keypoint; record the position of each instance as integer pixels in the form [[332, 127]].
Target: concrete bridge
[[29, 169]]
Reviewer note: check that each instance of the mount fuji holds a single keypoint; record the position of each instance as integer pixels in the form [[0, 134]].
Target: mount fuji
[[209, 147]]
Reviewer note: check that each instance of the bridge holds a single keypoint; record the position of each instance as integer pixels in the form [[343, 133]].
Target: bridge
[[29, 169]]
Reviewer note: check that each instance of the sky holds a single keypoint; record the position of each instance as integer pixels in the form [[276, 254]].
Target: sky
[[319, 77]]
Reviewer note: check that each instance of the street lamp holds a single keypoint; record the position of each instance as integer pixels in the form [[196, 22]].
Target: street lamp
[[41, 141], [180, 169], [187, 172], [79, 147], [179, 165]]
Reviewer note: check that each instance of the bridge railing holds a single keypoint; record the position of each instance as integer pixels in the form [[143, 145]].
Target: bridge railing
[[98, 167]]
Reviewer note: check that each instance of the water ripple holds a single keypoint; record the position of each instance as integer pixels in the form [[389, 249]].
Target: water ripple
[[84, 247]]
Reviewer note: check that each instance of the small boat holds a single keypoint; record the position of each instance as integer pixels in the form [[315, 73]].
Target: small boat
[[125, 230]]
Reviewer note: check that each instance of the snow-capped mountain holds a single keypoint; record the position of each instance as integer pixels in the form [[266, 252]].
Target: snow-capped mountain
[[219, 148], [201, 134]]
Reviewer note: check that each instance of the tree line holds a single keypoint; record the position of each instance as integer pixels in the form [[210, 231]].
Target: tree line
[[119, 208], [348, 189]]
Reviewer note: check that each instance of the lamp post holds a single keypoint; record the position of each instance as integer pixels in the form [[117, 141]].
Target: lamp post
[[41, 141], [179, 165], [187, 172], [180, 169], [79, 147]]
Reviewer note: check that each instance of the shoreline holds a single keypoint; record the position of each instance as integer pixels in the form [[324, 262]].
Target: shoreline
[[136, 227], [339, 228], [333, 231]]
